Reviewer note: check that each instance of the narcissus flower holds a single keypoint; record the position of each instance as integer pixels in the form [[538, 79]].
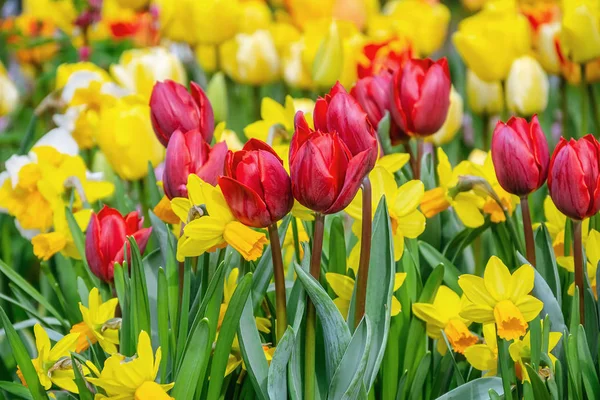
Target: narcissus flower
[[556, 222], [131, 379], [443, 315], [484, 357], [574, 177], [520, 352], [501, 298], [99, 324], [45, 245], [527, 87], [210, 223], [592, 254], [580, 33]]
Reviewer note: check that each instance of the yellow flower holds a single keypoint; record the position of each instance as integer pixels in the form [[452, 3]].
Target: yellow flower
[[53, 363], [520, 352], [9, 95], [443, 315], [484, 357], [501, 298], [210, 224], [555, 222], [45, 245], [490, 40], [527, 87], [139, 69], [580, 33], [135, 4], [546, 47], [453, 121], [484, 97], [467, 205], [217, 20], [79, 74], [343, 287], [254, 15], [175, 19], [61, 13], [328, 63], [99, 324], [130, 379], [126, 138], [592, 254]]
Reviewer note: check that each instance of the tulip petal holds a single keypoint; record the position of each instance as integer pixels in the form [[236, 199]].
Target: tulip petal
[[245, 204], [93, 252], [213, 167], [358, 168], [431, 109]]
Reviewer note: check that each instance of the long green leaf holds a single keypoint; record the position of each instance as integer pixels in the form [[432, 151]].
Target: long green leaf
[[277, 377], [416, 389], [588, 370], [434, 258], [477, 389], [84, 391], [252, 352], [79, 239], [139, 291], [195, 360], [546, 261], [16, 389], [163, 321]]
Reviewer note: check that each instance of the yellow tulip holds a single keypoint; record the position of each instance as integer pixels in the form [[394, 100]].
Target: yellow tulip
[[484, 97], [453, 121], [254, 15], [126, 138], [527, 87], [490, 40], [176, 19], [9, 95], [251, 59], [580, 33], [328, 62], [215, 21], [61, 13], [520, 352], [484, 357], [546, 47]]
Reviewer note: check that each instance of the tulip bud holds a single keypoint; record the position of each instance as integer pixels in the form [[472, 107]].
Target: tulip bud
[[520, 155], [527, 87], [573, 177], [188, 153], [256, 187], [339, 112], [484, 97], [172, 107], [106, 238], [453, 121], [421, 96], [373, 95], [217, 94], [327, 66], [580, 33], [546, 47], [325, 174]]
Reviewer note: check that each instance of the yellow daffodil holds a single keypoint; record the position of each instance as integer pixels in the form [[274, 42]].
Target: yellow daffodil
[[99, 324], [555, 222], [210, 224], [467, 204], [235, 357], [453, 121], [343, 287], [45, 245], [443, 315], [53, 363], [484, 97], [501, 298], [592, 254], [132, 379], [9, 95], [126, 138], [520, 352], [484, 357], [580, 33]]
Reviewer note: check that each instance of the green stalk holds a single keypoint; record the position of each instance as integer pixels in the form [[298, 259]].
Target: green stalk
[[280, 298], [506, 368], [311, 316], [578, 260], [528, 230], [296, 240], [365, 252]]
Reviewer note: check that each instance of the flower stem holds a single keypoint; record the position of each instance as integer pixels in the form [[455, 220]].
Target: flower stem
[[296, 240], [578, 259], [485, 131], [412, 161], [528, 230], [280, 298], [311, 317], [506, 372], [420, 150], [365, 251], [584, 103]]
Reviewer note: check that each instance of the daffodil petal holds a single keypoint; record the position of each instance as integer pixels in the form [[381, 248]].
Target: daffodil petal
[[497, 279]]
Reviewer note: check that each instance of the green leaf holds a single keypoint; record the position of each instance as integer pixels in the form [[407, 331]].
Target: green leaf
[[546, 261], [383, 132], [152, 187], [163, 322], [434, 258], [79, 239], [16, 389], [535, 330], [139, 291], [252, 352], [542, 291], [84, 391], [573, 364], [277, 376], [477, 389], [588, 370], [183, 323], [462, 240], [337, 246], [126, 342], [538, 387], [416, 389], [22, 358], [194, 361]]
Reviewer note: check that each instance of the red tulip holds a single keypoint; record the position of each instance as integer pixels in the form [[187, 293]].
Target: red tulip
[[188, 153], [106, 237], [391, 54], [520, 155], [421, 96], [339, 112], [325, 174], [574, 177], [172, 107], [256, 187]]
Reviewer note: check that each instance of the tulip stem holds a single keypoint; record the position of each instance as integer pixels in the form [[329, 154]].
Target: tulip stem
[[311, 317], [528, 230], [365, 252], [584, 103], [412, 160], [280, 298], [296, 240], [578, 260]]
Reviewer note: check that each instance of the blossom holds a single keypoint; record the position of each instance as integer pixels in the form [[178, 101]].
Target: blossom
[[484, 357], [99, 324]]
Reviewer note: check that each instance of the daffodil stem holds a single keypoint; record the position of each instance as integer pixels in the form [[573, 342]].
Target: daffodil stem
[[280, 298], [311, 316], [584, 103], [578, 260], [506, 372], [528, 230], [365, 252]]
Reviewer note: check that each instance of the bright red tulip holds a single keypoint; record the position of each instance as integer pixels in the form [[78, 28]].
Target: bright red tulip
[[325, 174], [172, 107], [574, 177], [339, 112], [106, 237], [520, 155], [421, 96], [256, 187], [188, 153]]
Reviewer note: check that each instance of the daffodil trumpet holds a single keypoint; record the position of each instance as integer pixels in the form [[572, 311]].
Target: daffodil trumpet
[[365, 251], [280, 298], [578, 260], [528, 230]]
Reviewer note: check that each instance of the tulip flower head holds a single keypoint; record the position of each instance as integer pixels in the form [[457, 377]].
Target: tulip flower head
[[574, 177], [172, 107], [501, 298], [106, 239], [520, 154], [527, 87], [257, 188], [421, 96], [580, 33], [484, 97]]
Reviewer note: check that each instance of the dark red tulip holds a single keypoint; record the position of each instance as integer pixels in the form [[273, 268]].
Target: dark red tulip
[[106, 237], [520, 155], [325, 174], [188, 153], [574, 177], [339, 112], [421, 96], [172, 107], [256, 187]]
